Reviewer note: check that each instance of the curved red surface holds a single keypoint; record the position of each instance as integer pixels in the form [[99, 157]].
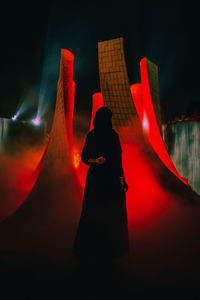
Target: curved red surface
[[147, 118], [141, 94]]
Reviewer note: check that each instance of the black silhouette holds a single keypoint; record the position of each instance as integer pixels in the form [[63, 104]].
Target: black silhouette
[[103, 227]]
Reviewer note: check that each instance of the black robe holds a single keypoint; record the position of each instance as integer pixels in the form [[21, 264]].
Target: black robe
[[103, 227]]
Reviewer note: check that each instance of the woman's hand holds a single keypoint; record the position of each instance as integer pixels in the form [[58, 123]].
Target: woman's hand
[[100, 160], [124, 185]]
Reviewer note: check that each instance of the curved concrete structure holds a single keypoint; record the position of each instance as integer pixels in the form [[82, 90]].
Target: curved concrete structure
[[46, 222]]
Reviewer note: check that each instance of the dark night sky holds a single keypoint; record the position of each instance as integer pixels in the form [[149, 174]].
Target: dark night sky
[[32, 35]]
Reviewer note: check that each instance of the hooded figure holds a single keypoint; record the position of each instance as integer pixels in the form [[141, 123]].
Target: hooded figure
[[102, 229]]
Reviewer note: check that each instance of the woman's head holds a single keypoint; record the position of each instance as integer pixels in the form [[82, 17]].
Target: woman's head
[[103, 118]]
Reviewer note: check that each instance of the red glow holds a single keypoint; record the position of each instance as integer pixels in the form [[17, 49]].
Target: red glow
[[146, 200], [136, 91], [144, 205], [142, 98], [76, 158], [81, 168], [97, 103], [78, 144], [18, 176], [68, 61]]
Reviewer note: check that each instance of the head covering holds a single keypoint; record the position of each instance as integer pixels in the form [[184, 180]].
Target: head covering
[[103, 119]]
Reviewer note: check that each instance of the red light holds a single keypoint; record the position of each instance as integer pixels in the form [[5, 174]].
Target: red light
[[145, 122], [143, 204], [143, 95], [97, 103]]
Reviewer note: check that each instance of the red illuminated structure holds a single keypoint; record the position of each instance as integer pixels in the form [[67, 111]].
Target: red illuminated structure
[[48, 219], [137, 118], [46, 223], [118, 96], [149, 109]]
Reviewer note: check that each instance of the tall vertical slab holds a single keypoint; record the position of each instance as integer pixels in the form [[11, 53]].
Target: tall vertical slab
[[58, 154], [115, 84]]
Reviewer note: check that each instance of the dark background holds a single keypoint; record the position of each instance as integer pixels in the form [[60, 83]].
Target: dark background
[[32, 35], [167, 32]]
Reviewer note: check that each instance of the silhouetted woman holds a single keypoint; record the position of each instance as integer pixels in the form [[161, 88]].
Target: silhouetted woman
[[103, 228]]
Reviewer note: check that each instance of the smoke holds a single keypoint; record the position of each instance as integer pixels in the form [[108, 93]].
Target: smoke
[[49, 78], [16, 174], [25, 104]]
